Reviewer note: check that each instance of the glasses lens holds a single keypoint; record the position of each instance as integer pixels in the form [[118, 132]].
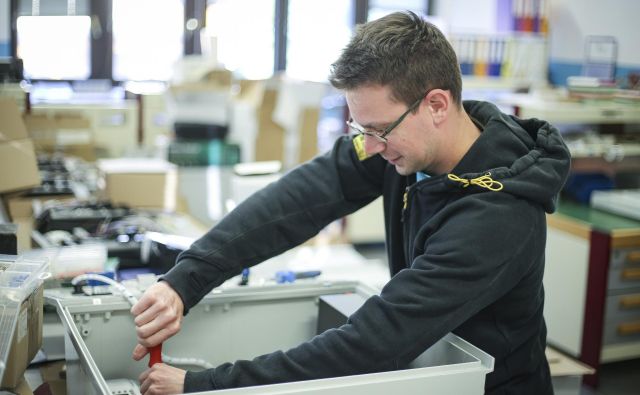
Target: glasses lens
[[354, 128]]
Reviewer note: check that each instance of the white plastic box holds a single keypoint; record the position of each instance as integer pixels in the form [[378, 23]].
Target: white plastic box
[[242, 323]]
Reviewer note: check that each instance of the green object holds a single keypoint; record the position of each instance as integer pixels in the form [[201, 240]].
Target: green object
[[597, 219], [203, 153]]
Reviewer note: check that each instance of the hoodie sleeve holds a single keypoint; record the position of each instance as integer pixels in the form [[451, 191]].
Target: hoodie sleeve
[[282, 215], [458, 275]]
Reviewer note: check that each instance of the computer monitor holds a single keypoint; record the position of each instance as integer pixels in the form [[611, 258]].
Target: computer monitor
[[600, 57]]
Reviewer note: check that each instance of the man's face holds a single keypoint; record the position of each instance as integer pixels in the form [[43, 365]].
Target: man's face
[[411, 145]]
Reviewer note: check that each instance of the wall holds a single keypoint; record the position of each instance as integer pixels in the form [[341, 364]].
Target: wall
[[571, 21], [469, 16], [5, 29]]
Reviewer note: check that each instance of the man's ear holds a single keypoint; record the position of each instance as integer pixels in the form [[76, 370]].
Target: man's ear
[[439, 103]]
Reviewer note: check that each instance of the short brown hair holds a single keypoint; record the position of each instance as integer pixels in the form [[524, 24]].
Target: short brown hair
[[400, 50]]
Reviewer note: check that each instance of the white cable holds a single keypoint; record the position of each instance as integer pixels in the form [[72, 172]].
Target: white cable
[[133, 300], [98, 277], [187, 361]]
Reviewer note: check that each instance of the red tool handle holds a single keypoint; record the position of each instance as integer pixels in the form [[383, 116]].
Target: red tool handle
[[155, 355]]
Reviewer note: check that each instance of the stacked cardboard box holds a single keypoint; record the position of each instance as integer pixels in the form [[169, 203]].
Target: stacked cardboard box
[[66, 133], [274, 138], [270, 139], [18, 171], [18, 164]]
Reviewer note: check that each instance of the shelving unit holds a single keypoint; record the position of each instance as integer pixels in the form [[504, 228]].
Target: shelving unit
[[510, 45], [592, 284], [559, 110], [553, 107], [494, 83]]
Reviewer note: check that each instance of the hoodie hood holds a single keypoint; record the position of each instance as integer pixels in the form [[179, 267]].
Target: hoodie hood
[[533, 163]]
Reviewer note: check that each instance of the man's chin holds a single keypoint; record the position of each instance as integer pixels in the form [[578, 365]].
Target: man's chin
[[403, 171]]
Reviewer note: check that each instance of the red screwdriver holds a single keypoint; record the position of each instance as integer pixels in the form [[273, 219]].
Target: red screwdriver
[[155, 355]]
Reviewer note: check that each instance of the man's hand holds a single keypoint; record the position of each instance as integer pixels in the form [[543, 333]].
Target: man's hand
[[158, 315], [162, 379]]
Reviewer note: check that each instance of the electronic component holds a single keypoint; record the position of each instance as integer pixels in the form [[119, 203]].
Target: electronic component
[[88, 216], [11, 69]]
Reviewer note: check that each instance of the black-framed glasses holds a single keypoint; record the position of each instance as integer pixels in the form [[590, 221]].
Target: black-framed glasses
[[382, 134]]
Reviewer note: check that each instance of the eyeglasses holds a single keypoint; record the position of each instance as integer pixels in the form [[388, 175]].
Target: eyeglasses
[[382, 134]]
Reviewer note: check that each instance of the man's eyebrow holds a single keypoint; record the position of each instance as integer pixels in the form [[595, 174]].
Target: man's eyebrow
[[376, 125]]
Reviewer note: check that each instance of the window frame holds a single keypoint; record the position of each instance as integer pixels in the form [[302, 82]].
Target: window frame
[[102, 45]]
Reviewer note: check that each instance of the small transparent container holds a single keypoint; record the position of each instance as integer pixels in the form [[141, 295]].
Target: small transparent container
[[19, 277]]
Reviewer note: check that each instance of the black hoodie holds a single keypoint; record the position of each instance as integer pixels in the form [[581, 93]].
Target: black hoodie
[[464, 258]]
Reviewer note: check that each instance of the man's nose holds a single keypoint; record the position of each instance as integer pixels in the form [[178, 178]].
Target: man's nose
[[373, 145]]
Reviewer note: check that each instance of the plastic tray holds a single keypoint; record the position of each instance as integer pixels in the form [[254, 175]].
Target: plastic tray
[[243, 322]]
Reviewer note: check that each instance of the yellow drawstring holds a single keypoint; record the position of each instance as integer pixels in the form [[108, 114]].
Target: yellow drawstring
[[484, 181]]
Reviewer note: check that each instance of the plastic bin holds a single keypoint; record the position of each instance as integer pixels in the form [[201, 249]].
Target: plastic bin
[[19, 277], [244, 322]]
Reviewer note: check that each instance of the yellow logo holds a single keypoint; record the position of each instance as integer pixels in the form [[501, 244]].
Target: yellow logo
[[358, 145]]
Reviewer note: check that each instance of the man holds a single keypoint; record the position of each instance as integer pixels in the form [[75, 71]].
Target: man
[[465, 192]]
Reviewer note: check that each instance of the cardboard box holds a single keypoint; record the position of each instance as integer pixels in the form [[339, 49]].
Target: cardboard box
[[54, 373], [20, 157], [140, 183], [17, 361], [35, 321], [251, 91], [67, 133], [308, 134], [41, 129], [16, 151], [27, 339], [19, 206], [271, 135], [220, 77], [144, 190], [11, 125], [25, 228], [20, 210]]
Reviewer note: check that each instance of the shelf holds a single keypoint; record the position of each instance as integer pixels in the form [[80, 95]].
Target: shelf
[[560, 110], [494, 83], [600, 165]]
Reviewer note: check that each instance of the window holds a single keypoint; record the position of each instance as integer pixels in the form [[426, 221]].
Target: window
[[317, 33], [242, 33], [380, 8], [141, 40], [55, 47], [147, 39]]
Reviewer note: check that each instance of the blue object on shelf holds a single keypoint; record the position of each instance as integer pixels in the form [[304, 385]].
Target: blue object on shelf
[[580, 186]]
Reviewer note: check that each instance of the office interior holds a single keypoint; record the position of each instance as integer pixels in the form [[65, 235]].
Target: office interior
[[129, 128]]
